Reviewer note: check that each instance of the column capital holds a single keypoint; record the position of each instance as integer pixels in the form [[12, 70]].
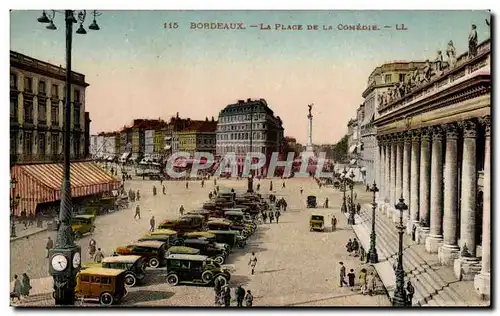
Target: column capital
[[437, 133], [415, 135], [451, 131], [399, 137], [469, 128], [486, 122], [407, 136], [425, 134]]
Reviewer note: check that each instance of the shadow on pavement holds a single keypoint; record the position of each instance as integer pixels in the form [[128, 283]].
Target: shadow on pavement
[[256, 249], [147, 295], [239, 280], [271, 271], [322, 299]]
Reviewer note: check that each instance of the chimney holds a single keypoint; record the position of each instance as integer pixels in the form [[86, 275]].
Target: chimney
[[213, 120], [248, 100], [206, 119], [241, 101], [177, 115]]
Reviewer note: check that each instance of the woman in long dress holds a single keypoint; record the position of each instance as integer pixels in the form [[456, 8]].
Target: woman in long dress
[[26, 285]]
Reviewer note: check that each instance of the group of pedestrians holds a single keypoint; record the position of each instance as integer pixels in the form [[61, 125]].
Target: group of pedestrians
[[21, 288], [223, 295], [95, 253], [367, 281]]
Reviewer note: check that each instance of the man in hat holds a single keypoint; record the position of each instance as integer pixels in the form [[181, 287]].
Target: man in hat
[[240, 296]]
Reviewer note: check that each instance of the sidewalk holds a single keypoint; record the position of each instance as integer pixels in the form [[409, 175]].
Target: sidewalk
[[30, 230]]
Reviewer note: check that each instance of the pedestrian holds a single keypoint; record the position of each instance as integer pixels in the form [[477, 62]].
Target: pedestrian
[[152, 224], [371, 284], [342, 274], [112, 170], [16, 292], [349, 246], [326, 203], [137, 212], [355, 195], [258, 186], [210, 195], [154, 190], [362, 253], [138, 195], [249, 299], [362, 280], [410, 291], [367, 188], [217, 290], [164, 190], [227, 296], [358, 208], [48, 246], [277, 214], [98, 256], [301, 190], [284, 186], [355, 247], [92, 248], [187, 185], [26, 285], [284, 204], [264, 216], [351, 277], [161, 180], [240, 296], [202, 183], [253, 262], [271, 217], [334, 223], [215, 181], [181, 210]]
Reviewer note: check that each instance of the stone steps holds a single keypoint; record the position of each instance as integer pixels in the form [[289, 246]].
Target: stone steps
[[430, 288]]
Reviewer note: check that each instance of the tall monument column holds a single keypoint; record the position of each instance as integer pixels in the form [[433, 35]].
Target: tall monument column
[[309, 147], [448, 252], [467, 265], [424, 191], [482, 281], [435, 238]]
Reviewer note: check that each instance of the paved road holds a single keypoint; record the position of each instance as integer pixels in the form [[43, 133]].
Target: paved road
[[295, 268]]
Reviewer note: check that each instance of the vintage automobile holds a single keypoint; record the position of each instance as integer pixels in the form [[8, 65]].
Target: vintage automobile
[[204, 213], [237, 216], [152, 251], [194, 269], [104, 285], [231, 237], [82, 224], [311, 201], [208, 249], [209, 206], [134, 266], [182, 250], [164, 235], [196, 220], [210, 237], [317, 222], [182, 225]]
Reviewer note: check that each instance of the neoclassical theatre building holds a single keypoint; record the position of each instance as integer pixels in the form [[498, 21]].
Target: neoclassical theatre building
[[433, 141]]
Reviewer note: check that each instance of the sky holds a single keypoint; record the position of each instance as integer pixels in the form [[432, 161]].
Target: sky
[[136, 68]]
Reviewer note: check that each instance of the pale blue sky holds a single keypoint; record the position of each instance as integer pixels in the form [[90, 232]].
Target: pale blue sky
[[134, 44]]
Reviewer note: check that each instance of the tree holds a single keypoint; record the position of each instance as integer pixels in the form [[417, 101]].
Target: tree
[[340, 150]]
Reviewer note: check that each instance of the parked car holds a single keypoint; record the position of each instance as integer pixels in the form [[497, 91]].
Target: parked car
[[207, 249], [152, 251], [164, 235], [209, 237], [182, 250], [317, 222], [311, 201], [182, 225], [104, 285], [204, 213], [231, 237], [134, 266], [82, 224], [194, 269]]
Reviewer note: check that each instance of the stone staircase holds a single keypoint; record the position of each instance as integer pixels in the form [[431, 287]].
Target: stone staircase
[[430, 280]]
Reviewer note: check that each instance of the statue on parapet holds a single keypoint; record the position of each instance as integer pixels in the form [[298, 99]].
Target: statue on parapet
[[451, 52], [439, 62], [427, 71], [472, 42]]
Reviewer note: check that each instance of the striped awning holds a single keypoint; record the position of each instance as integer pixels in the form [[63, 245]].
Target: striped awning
[[39, 183]]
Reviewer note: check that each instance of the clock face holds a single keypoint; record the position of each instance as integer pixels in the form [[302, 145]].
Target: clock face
[[76, 260], [59, 262]]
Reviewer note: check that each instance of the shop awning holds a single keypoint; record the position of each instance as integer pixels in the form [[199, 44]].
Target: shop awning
[[40, 183]]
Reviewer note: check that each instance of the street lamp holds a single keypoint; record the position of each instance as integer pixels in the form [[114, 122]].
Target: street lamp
[[344, 180], [14, 201], [372, 253], [351, 220], [399, 298], [65, 257]]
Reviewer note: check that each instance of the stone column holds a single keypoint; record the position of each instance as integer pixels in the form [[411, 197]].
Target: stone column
[[399, 176], [415, 178], [393, 170], [406, 174], [448, 252], [467, 265], [380, 165], [424, 190], [435, 238], [388, 173], [482, 282]]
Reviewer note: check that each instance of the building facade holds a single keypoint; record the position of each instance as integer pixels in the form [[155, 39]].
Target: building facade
[[200, 136], [37, 100], [434, 149], [248, 122]]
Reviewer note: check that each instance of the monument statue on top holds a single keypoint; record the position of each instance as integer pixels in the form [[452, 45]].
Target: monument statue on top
[[309, 147]]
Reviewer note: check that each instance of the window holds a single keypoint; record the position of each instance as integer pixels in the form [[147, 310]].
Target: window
[[13, 108], [105, 280], [54, 114], [41, 144], [28, 84], [28, 110], [42, 111], [76, 146], [77, 96], [76, 115], [55, 91], [388, 78], [96, 279], [54, 144], [28, 143], [84, 278], [401, 77], [42, 88], [13, 81]]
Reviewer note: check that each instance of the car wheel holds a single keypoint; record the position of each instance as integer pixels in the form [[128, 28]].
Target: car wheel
[[78, 235], [106, 299], [153, 262], [222, 279], [207, 276], [219, 259], [130, 280], [172, 279]]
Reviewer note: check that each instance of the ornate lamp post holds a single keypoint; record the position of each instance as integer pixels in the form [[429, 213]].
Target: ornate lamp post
[[351, 220], [65, 257], [14, 202], [372, 253], [399, 298], [343, 178]]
